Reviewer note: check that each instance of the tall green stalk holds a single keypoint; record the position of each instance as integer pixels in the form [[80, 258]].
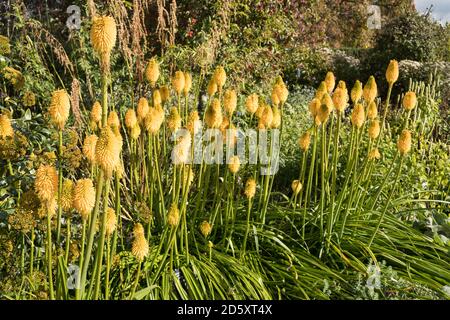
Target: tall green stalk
[[49, 256], [310, 179], [387, 202], [99, 191], [60, 178]]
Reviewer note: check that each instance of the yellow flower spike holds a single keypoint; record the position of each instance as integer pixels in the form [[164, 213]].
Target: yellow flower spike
[[103, 37], [165, 93], [212, 88], [260, 110], [358, 116], [276, 120], [130, 118], [251, 103], [392, 72], [113, 119], [187, 83], [282, 91], [6, 129], [304, 141], [296, 187], [326, 100], [340, 99], [138, 230], [234, 164], [266, 116], [142, 109], [322, 114], [374, 154], [139, 247], [321, 90], [275, 95], [84, 197], [59, 108], [370, 90], [111, 222], [404, 142], [173, 120], [178, 82], [152, 71], [230, 101], [194, 123], [205, 228], [103, 34], [372, 111], [154, 120], [173, 216], [90, 142], [314, 107], [135, 131], [213, 116], [46, 183], [225, 124], [250, 188], [374, 129], [356, 92], [330, 81], [342, 85], [67, 195], [409, 100], [96, 112], [157, 99], [220, 77], [107, 150], [182, 150]]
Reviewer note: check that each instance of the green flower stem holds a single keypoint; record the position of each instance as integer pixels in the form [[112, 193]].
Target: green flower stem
[[83, 240], [161, 192], [60, 179], [99, 191], [353, 183], [407, 119], [383, 123], [328, 143], [348, 175], [108, 267], [136, 281], [131, 165], [247, 230], [22, 257], [298, 198], [173, 231], [68, 235], [184, 219], [205, 188], [387, 203], [101, 243], [333, 170], [267, 186], [380, 189], [310, 180], [49, 256], [91, 234], [32, 251], [323, 157]]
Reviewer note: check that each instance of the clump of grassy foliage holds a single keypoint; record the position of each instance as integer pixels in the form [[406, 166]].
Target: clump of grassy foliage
[[136, 220]]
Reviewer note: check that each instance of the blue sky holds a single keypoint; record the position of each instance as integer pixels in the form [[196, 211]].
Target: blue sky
[[441, 8]]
